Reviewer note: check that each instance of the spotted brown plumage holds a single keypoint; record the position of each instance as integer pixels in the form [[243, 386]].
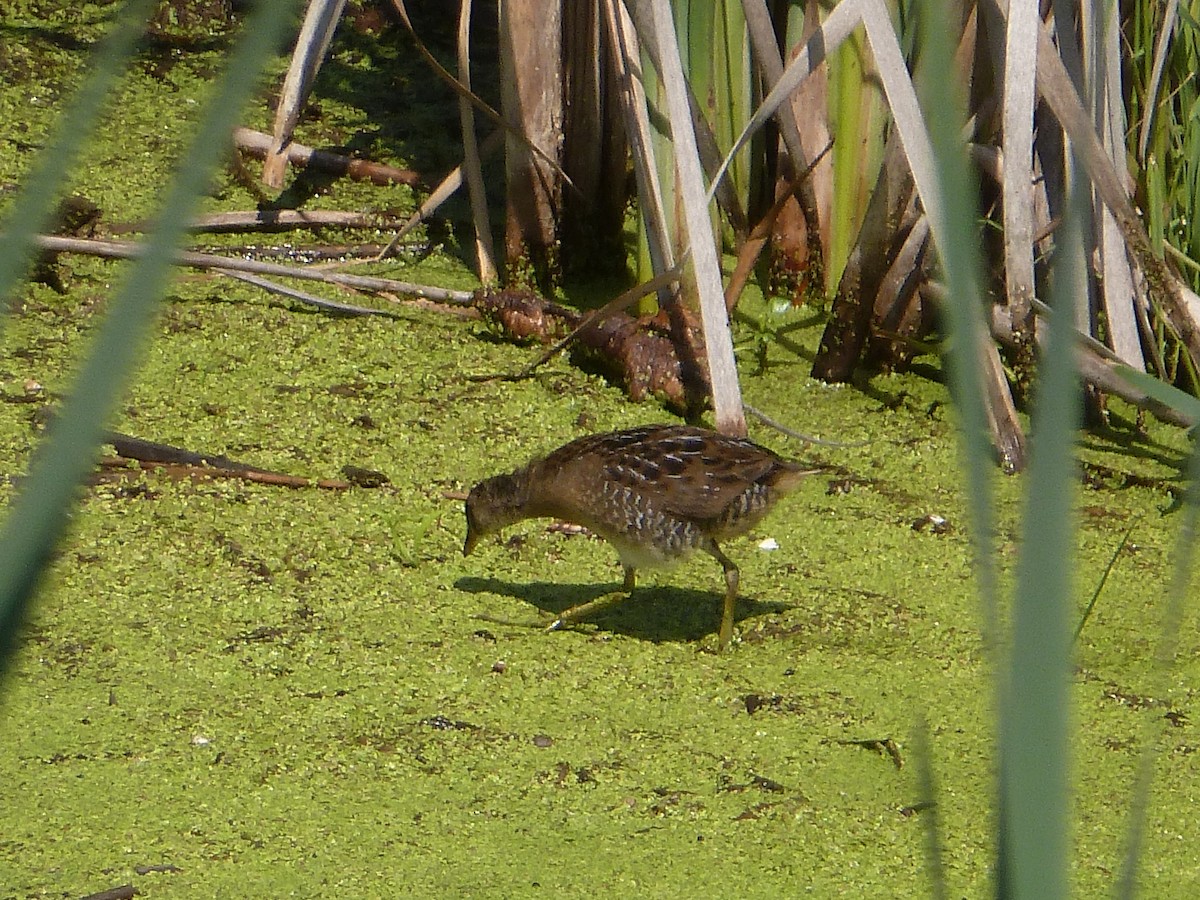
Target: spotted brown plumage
[[656, 493]]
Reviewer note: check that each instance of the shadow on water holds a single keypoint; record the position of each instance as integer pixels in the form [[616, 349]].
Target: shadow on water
[[660, 614]]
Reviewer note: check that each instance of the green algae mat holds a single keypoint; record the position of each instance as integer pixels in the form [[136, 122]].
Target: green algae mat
[[237, 689]]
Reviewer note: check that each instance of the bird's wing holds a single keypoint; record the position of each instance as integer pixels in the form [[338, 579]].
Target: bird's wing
[[694, 475]]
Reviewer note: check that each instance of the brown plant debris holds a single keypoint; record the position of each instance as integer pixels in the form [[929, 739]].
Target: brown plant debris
[[637, 352], [180, 463]]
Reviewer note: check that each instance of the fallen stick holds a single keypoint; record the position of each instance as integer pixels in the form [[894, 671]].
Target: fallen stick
[[186, 463], [267, 220], [179, 471], [129, 250], [257, 144], [273, 287]]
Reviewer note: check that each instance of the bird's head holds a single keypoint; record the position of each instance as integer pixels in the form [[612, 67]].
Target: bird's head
[[492, 505]]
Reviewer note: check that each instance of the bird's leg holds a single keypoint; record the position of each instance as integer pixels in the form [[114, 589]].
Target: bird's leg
[[731, 592], [583, 610]]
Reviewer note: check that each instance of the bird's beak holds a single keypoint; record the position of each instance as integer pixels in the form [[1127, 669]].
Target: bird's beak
[[470, 542]]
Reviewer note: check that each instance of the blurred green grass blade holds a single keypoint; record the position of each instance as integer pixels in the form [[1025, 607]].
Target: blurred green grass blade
[[40, 512], [928, 810], [1034, 711], [35, 204], [1168, 647], [959, 256], [962, 265]]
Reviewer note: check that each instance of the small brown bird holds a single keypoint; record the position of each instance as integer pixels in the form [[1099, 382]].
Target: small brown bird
[[656, 493]]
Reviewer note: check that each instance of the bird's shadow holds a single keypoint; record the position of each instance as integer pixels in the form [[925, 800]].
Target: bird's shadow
[[656, 613]]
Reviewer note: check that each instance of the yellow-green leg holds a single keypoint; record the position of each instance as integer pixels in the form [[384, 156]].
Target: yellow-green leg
[[731, 592], [583, 610]]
